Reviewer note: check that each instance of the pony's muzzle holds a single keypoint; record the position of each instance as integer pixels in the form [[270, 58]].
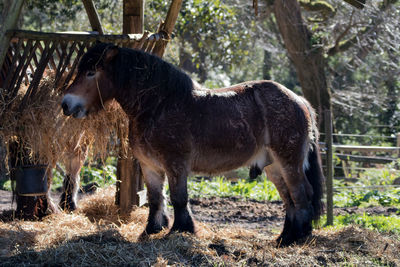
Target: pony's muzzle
[[65, 108], [73, 105]]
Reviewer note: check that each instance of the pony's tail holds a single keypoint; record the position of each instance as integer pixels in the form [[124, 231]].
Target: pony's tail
[[313, 172], [316, 178]]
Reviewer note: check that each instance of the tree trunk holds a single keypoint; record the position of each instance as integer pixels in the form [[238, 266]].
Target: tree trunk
[[307, 57]]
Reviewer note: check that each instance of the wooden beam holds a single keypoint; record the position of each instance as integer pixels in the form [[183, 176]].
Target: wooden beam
[[356, 3], [93, 16], [350, 148], [130, 186], [366, 149], [73, 36], [167, 27], [133, 16], [10, 22], [329, 167], [377, 160]]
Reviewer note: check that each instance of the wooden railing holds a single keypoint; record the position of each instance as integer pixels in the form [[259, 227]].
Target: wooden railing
[[368, 157], [31, 53]]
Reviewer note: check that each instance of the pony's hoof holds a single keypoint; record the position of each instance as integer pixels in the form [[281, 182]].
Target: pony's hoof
[[144, 236], [67, 206], [284, 241], [189, 226], [288, 238], [154, 227]]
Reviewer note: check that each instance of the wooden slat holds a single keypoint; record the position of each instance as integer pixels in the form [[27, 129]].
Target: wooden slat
[[80, 52], [13, 64], [21, 64], [48, 52], [66, 63], [62, 57], [93, 16], [349, 148], [73, 37], [28, 60], [167, 27], [366, 149], [378, 160]]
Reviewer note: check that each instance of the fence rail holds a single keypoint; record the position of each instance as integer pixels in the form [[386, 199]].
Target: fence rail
[[366, 156]]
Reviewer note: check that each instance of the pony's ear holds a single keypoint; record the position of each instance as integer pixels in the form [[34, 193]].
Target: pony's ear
[[111, 52]]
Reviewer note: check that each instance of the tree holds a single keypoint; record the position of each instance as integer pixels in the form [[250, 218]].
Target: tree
[[306, 53], [310, 45]]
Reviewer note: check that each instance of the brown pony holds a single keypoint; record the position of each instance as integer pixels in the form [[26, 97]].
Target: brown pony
[[178, 128]]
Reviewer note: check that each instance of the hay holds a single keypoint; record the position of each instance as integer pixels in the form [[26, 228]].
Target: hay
[[96, 236], [43, 131]]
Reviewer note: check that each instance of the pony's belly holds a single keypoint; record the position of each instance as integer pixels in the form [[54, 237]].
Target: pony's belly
[[215, 163]]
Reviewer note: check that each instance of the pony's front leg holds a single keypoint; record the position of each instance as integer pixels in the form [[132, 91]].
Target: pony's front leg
[[73, 166], [158, 218], [177, 179]]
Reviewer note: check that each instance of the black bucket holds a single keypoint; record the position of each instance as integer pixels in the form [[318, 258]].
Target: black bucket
[[31, 180]]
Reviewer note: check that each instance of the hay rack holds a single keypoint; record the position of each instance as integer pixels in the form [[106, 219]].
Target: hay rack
[[26, 55]]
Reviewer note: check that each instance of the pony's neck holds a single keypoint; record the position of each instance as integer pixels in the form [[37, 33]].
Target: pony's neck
[[149, 84]]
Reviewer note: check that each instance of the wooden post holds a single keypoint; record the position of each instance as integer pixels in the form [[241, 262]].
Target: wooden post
[[329, 167], [133, 16], [93, 16], [10, 22], [129, 173], [398, 144], [167, 27]]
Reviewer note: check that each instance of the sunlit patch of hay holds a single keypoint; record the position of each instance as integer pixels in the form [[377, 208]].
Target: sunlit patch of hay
[[96, 235], [46, 133]]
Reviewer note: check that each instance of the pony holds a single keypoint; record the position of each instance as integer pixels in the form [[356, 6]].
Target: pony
[[177, 128]]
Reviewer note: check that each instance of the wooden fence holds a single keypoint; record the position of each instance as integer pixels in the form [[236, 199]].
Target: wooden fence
[[367, 156]]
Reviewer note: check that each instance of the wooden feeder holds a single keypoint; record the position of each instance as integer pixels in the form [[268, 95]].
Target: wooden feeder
[[23, 52]]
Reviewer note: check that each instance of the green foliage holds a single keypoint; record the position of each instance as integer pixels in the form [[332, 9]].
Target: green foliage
[[6, 185], [365, 198], [102, 174], [261, 189], [46, 15], [375, 222]]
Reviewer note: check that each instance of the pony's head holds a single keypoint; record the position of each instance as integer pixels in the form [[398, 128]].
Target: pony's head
[[93, 84]]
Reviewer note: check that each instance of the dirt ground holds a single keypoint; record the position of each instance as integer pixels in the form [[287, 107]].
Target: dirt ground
[[233, 232], [250, 214]]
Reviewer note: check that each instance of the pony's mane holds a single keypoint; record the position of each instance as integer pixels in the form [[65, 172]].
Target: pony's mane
[[140, 75]]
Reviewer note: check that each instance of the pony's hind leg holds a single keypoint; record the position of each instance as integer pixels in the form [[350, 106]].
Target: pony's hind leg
[[177, 179], [275, 175], [301, 193], [158, 218]]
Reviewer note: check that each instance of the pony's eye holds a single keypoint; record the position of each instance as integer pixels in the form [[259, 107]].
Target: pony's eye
[[90, 73]]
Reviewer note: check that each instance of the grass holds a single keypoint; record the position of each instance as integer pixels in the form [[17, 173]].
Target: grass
[[259, 189], [380, 223], [365, 198]]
